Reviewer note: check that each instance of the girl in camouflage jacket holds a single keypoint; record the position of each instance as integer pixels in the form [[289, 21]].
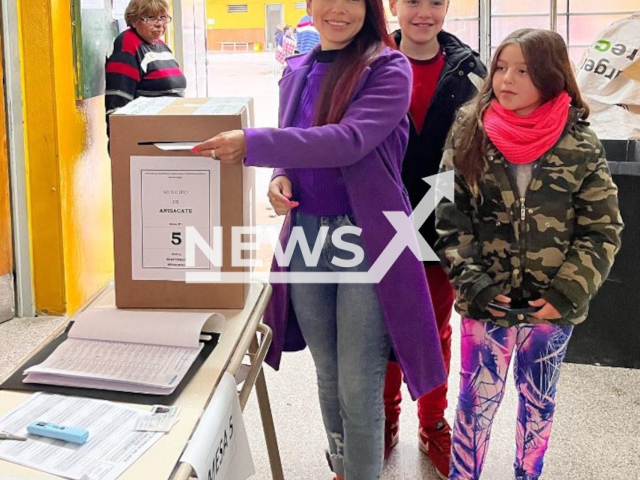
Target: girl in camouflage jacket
[[535, 225]]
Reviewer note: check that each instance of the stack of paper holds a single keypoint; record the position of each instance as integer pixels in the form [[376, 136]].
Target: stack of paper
[[123, 350], [112, 447]]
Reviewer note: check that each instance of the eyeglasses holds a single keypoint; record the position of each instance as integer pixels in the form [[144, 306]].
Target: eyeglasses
[[164, 19]]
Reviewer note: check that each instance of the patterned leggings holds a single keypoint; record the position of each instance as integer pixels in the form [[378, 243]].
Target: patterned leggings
[[486, 353]]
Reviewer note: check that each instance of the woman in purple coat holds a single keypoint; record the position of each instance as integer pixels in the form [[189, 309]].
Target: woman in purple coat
[[343, 133]]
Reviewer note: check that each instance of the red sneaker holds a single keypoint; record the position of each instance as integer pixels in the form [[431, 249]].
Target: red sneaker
[[436, 444], [391, 436]]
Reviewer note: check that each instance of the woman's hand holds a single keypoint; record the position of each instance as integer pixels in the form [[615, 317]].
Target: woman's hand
[[279, 195], [547, 312], [228, 147], [500, 299]]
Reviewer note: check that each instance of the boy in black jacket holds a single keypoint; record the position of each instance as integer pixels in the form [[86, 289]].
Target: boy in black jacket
[[446, 74]]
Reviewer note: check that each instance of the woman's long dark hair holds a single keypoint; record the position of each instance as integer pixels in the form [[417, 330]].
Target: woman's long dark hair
[[344, 74], [550, 69]]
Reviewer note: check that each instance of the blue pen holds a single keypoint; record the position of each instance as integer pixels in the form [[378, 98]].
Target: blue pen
[[59, 432]]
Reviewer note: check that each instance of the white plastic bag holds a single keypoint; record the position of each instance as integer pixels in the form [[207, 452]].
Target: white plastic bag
[[609, 79]]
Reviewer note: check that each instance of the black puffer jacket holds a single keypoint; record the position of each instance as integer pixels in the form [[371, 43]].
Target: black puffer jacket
[[461, 77]]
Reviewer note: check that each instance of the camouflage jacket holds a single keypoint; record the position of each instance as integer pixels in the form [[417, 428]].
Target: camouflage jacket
[[558, 242]]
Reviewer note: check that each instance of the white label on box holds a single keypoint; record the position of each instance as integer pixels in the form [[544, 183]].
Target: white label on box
[[169, 194], [223, 106], [146, 106]]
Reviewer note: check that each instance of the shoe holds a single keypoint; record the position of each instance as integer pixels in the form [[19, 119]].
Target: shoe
[[391, 436], [436, 444], [338, 478]]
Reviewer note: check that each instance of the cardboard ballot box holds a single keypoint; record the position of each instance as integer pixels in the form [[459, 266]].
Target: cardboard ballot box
[[162, 193]]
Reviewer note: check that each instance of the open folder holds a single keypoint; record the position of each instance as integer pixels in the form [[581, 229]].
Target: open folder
[[124, 350]]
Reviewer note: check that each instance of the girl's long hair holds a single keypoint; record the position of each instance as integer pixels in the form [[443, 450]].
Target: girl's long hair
[[342, 78], [551, 72]]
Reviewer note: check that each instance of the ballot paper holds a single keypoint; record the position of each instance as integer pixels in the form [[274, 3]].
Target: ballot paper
[[176, 146], [161, 419], [112, 447], [132, 351]]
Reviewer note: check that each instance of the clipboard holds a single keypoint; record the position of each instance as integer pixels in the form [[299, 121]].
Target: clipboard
[[14, 382]]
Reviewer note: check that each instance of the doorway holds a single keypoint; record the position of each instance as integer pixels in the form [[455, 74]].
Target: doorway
[[275, 16], [190, 37]]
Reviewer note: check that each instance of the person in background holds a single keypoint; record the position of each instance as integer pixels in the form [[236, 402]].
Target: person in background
[[535, 225], [279, 34], [446, 74], [288, 46], [307, 34], [288, 34], [344, 131], [139, 63]]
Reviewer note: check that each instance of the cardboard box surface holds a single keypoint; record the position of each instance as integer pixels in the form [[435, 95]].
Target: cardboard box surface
[[135, 130]]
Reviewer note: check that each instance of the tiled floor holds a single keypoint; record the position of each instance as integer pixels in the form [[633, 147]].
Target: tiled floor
[[19, 337], [596, 429]]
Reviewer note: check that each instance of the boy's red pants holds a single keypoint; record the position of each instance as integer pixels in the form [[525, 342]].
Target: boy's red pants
[[431, 406]]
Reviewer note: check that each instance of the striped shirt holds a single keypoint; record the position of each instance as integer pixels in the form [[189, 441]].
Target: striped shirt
[[135, 68], [307, 35]]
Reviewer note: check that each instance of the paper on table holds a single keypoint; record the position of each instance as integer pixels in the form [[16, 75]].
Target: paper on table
[[153, 365], [131, 351], [112, 447], [47, 379], [161, 419], [155, 327]]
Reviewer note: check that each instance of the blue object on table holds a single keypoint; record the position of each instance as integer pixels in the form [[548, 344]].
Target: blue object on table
[[59, 432]]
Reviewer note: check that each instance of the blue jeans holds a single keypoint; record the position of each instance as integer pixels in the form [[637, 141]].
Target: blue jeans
[[344, 328]]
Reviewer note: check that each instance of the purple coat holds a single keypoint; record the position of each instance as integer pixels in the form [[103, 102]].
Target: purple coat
[[368, 145]]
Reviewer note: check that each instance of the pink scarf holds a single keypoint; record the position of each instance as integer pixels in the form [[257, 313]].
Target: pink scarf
[[525, 139]]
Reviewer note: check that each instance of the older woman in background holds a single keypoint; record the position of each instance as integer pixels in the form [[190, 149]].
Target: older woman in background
[[140, 64]]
